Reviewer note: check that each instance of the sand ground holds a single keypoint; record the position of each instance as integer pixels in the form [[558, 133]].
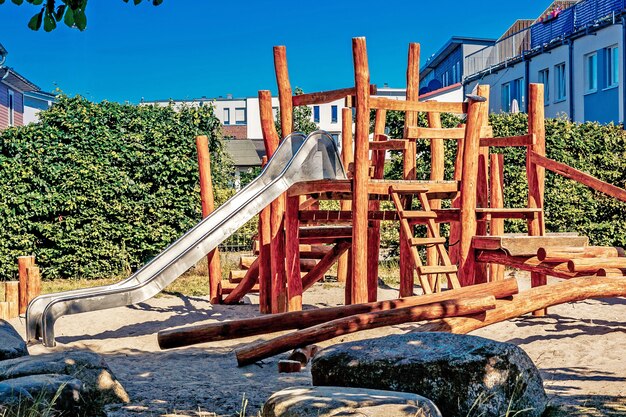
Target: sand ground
[[579, 349]]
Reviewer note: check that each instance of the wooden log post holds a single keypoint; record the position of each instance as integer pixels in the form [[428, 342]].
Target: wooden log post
[[208, 205], [437, 169], [496, 227], [212, 332], [12, 296], [345, 205], [409, 166], [535, 173], [482, 184], [360, 201], [264, 258], [373, 230], [292, 253], [455, 226], [535, 299], [471, 146], [23, 263], [558, 254], [277, 218], [351, 324], [33, 282], [4, 310]]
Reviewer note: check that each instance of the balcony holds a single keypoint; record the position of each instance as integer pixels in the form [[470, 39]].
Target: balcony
[[584, 14]]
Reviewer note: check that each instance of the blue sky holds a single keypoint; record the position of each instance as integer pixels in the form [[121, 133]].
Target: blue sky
[[193, 48]]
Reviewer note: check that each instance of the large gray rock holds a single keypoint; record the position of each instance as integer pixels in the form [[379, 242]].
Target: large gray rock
[[341, 401], [100, 387], [32, 395], [11, 343], [464, 375]]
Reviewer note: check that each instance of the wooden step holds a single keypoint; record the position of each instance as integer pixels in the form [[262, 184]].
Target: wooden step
[[227, 287], [416, 214], [419, 241], [507, 213], [440, 269]]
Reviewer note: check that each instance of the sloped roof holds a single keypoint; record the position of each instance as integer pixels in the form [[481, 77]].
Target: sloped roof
[[11, 77], [243, 152]]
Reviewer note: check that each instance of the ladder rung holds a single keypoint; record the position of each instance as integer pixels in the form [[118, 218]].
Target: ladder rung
[[417, 241], [441, 269], [415, 214]]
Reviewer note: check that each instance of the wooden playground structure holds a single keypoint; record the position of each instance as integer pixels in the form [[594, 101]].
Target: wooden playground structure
[[461, 276]]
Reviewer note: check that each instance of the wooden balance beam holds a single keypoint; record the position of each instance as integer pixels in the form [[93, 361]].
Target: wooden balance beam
[[234, 329]]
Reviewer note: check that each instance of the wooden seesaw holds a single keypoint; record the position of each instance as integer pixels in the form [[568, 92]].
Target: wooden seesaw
[[462, 276]]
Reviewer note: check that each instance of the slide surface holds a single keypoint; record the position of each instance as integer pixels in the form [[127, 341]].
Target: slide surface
[[297, 159]]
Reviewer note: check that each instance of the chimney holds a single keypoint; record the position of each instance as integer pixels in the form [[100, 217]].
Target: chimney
[[229, 96]]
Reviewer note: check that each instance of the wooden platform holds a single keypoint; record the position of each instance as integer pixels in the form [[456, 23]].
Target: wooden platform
[[524, 245]]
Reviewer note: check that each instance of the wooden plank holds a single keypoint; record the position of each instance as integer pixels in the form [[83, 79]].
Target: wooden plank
[[417, 106], [324, 97], [496, 189], [579, 176], [415, 132], [391, 145], [509, 141], [437, 170], [522, 245], [380, 187], [234, 329]]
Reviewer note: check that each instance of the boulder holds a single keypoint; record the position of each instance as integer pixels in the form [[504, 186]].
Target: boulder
[[463, 375], [34, 395], [341, 401], [100, 387], [11, 343]]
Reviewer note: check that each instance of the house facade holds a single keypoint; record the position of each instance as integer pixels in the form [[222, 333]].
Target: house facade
[[20, 99]]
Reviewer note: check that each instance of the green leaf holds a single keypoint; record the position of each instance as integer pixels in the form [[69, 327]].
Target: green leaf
[[80, 19], [49, 24], [35, 22], [1, 1], [18, 2], [69, 18], [36, 2], [157, 2], [137, 2], [58, 15]]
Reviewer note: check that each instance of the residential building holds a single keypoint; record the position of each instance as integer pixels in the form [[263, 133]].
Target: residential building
[[575, 49], [20, 99], [442, 75]]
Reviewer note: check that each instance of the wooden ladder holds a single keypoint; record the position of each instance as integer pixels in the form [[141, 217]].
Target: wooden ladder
[[427, 274]]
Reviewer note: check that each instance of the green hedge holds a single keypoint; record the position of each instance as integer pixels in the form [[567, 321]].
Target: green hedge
[[95, 190], [599, 150]]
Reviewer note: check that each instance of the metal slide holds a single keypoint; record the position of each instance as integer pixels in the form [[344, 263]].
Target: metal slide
[[297, 159]]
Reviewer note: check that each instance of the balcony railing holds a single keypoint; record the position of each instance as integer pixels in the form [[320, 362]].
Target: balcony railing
[[583, 14]]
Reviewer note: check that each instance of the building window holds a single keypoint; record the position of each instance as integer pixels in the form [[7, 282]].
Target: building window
[[591, 73], [453, 74], [316, 114], [458, 71], [226, 116], [275, 112], [559, 82], [611, 55], [445, 79], [333, 114], [505, 95], [11, 109], [240, 116], [544, 78]]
